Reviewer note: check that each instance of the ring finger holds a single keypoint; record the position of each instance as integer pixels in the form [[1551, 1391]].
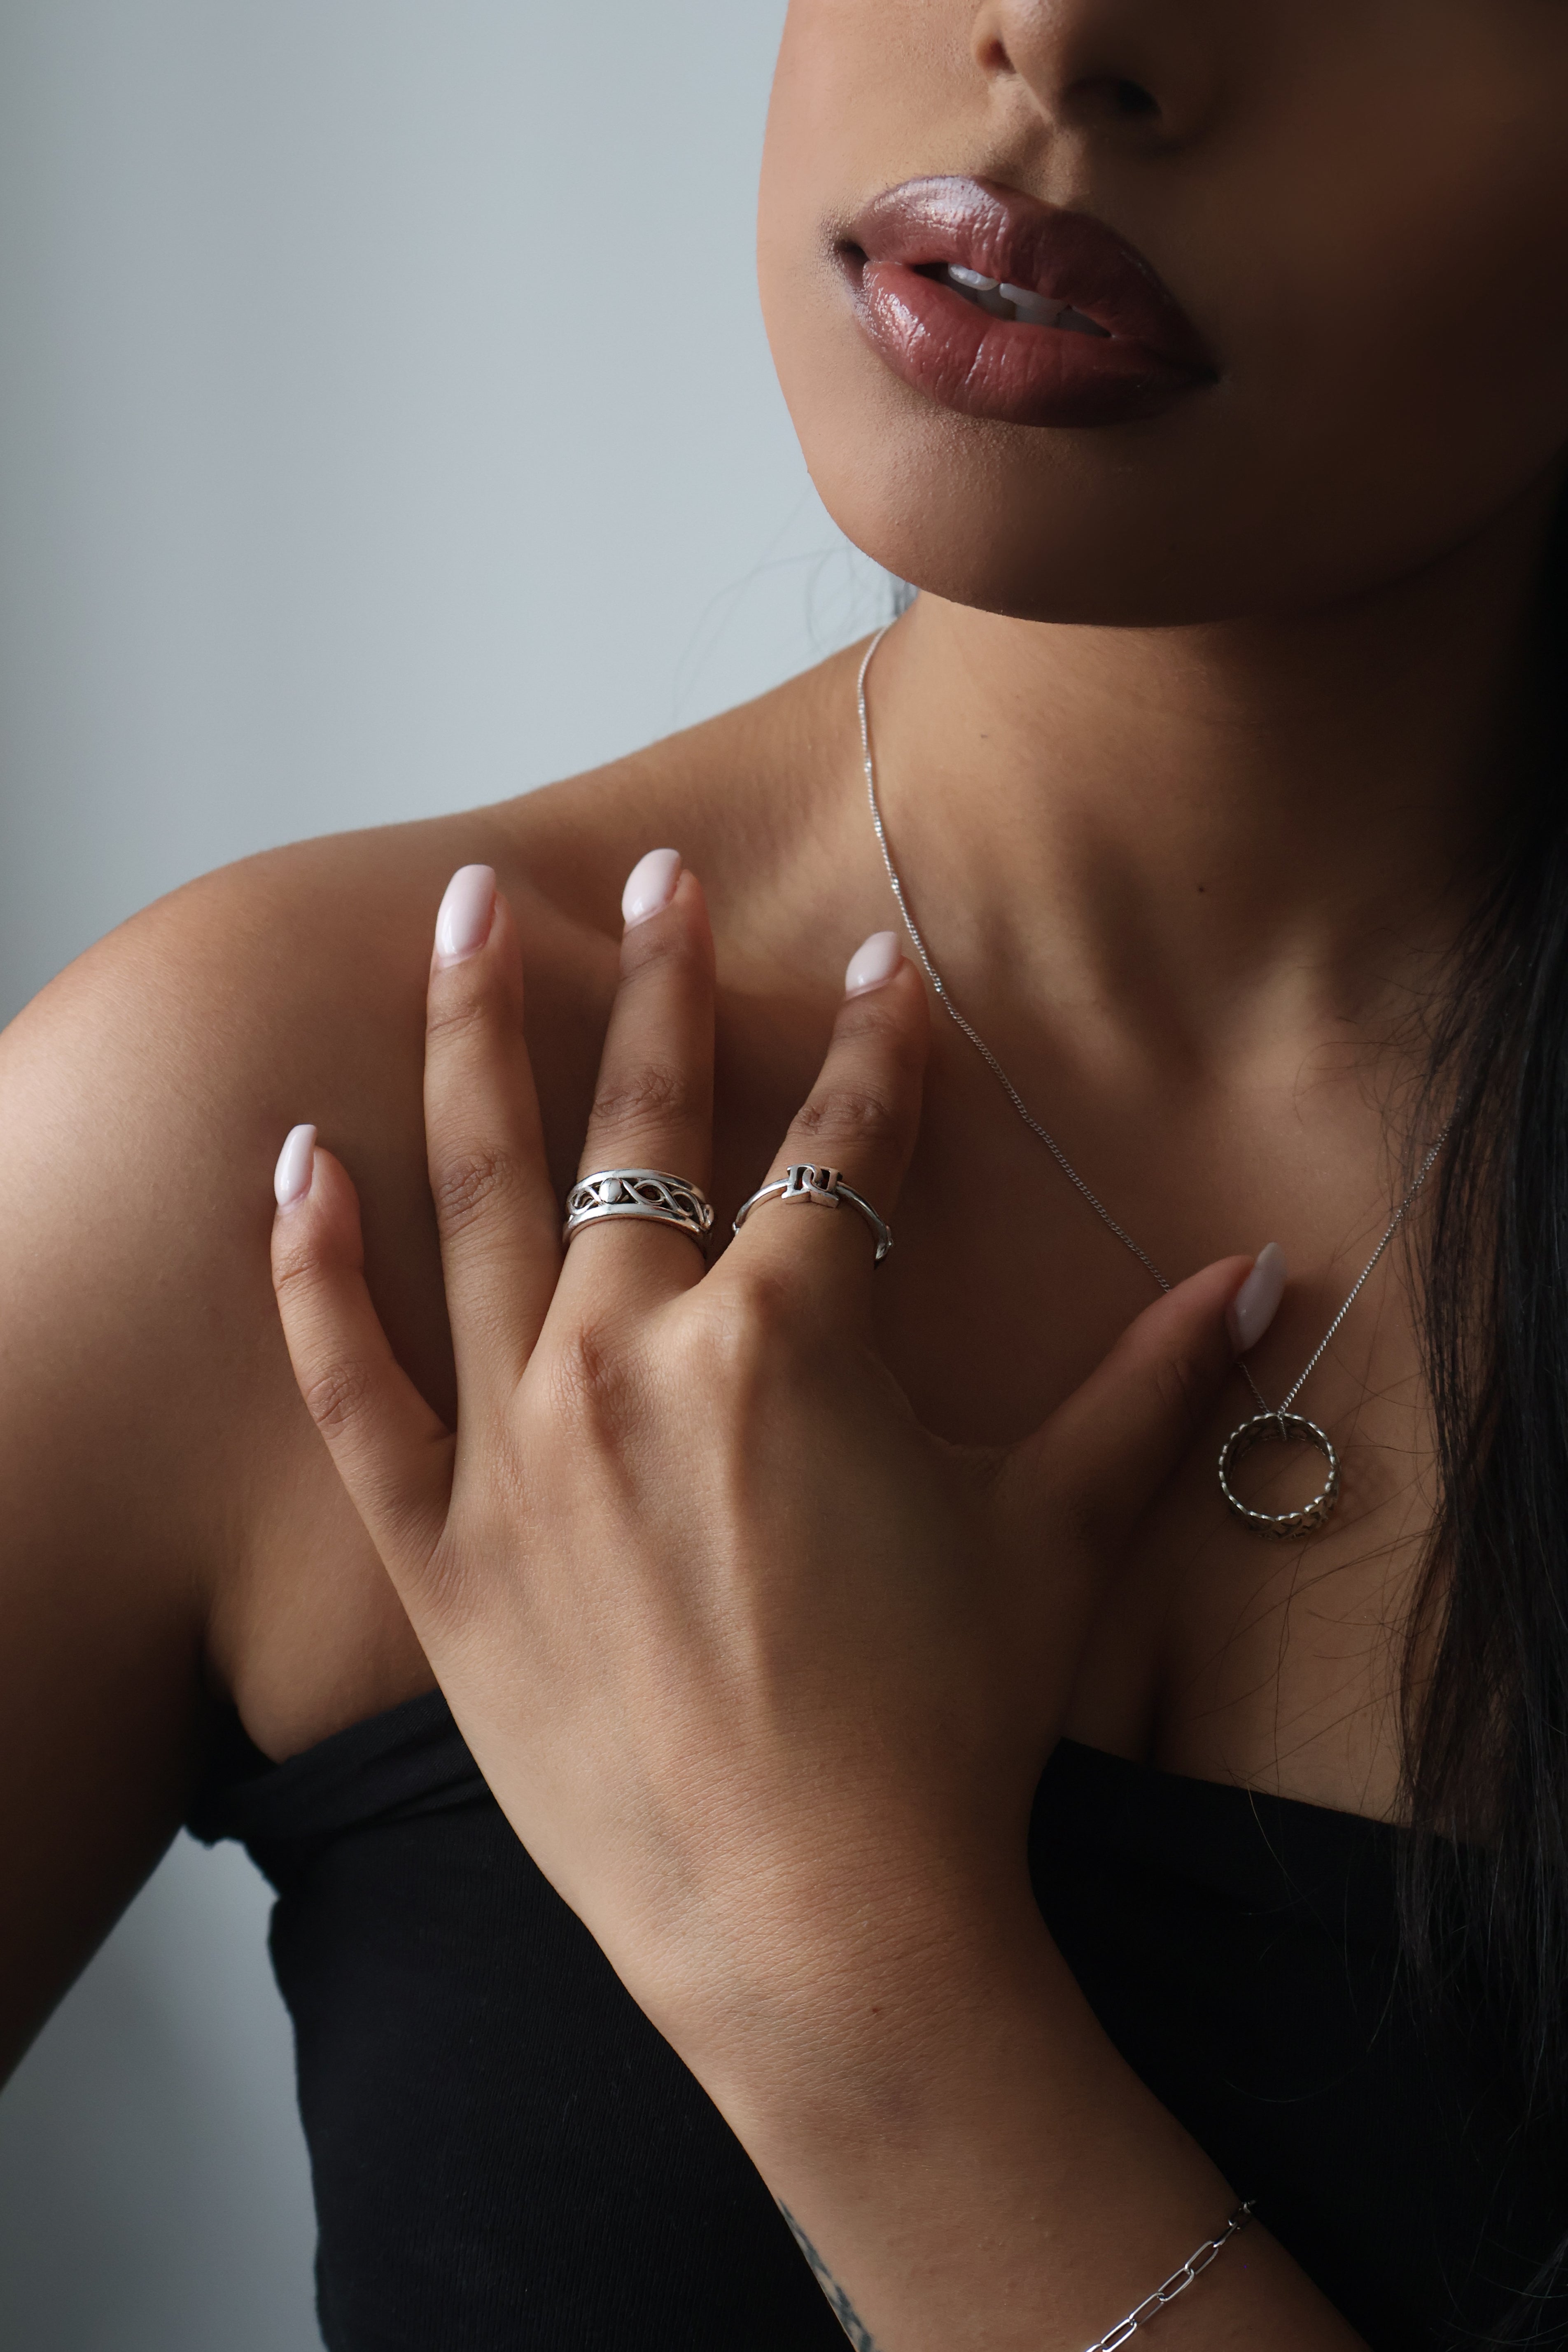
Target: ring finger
[[858, 1124]]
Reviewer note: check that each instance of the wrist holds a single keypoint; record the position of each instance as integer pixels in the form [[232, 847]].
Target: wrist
[[878, 2020], [965, 2134]]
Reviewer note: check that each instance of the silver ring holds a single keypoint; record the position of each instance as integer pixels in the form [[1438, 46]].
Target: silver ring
[[825, 1187], [1280, 1429], [648, 1193]]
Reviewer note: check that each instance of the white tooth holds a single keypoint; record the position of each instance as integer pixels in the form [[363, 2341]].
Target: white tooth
[[1077, 324], [971, 278], [1034, 310]]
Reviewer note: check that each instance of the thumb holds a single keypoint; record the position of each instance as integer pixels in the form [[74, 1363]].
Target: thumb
[[1103, 1456]]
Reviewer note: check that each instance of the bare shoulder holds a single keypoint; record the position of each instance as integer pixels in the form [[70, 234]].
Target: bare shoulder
[[155, 1077], [170, 1528], [147, 1089]]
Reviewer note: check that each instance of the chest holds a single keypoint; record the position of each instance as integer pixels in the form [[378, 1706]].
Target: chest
[[1217, 1653]]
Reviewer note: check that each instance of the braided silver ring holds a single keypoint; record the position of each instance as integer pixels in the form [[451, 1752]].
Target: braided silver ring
[[825, 1187], [648, 1193]]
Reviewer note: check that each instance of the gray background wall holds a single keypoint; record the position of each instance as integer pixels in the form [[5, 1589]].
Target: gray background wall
[[386, 426]]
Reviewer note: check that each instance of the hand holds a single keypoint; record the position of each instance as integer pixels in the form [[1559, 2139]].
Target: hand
[[763, 1673]]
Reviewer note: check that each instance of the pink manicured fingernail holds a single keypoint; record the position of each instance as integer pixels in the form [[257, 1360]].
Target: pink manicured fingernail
[[1257, 1303], [296, 1166], [874, 964], [650, 886], [468, 911]]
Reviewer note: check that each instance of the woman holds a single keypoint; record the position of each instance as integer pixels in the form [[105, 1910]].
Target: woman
[[1205, 369]]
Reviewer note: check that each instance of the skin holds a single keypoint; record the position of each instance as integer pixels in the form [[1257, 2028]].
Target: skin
[[1189, 751]]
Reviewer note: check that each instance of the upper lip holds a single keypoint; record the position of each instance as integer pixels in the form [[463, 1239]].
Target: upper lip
[[1069, 257]]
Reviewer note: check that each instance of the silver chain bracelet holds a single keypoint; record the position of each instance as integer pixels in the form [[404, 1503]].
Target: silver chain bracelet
[[1177, 2283]]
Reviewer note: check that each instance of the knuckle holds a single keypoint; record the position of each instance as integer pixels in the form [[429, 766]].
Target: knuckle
[[457, 1015], [760, 1314], [655, 1094], [851, 1113], [879, 1023], [768, 1307], [335, 1395], [295, 1269], [1083, 1521], [591, 1379], [469, 1184], [1083, 1515], [448, 1588], [654, 947], [741, 1339], [1080, 1508], [1181, 1390]]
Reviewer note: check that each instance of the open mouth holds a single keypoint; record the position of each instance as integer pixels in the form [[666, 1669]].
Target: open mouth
[[995, 304], [999, 299]]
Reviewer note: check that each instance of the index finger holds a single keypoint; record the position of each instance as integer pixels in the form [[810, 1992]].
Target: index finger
[[495, 1206]]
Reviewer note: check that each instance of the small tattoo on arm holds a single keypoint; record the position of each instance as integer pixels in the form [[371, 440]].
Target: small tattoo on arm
[[838, 2302]]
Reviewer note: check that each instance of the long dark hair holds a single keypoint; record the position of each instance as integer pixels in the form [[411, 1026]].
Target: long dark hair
[[1484, 1695], [1485, 1683]]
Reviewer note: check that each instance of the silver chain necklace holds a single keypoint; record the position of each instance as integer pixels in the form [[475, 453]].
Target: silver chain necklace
[[1271, 1424]]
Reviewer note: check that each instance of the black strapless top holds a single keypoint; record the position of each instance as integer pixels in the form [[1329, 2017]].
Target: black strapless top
[[508, 2158]]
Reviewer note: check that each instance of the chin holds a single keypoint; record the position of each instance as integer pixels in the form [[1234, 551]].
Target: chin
[[1038, 558], [1229, 507], [1094, 527], [1111, 525]]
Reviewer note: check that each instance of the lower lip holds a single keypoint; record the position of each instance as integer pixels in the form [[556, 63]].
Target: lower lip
[[966, 361]]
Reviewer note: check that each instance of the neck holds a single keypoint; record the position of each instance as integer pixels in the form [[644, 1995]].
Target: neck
[[1209, 834]]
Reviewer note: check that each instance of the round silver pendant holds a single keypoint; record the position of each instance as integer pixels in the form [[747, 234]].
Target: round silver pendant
[[1280, 1429]]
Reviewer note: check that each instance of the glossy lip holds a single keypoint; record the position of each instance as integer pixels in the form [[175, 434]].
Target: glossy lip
[[1149, 357]]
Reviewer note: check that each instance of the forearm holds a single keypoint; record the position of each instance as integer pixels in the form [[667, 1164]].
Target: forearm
[[967, 2161]]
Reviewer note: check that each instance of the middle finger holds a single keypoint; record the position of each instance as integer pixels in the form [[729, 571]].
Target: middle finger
[[653, 1106]]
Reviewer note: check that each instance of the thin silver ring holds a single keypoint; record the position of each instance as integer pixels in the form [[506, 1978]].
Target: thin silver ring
[[804, 1185], [651, 1195], [1280, 1429]]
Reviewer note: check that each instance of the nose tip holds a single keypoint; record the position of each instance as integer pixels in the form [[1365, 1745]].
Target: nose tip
[[1138, 70]]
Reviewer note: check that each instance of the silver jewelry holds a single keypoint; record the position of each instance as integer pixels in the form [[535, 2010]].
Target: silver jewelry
[[1279, 1428], [644, 1192], [1271, 1425], [825, 1188], [1177, 2283]]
